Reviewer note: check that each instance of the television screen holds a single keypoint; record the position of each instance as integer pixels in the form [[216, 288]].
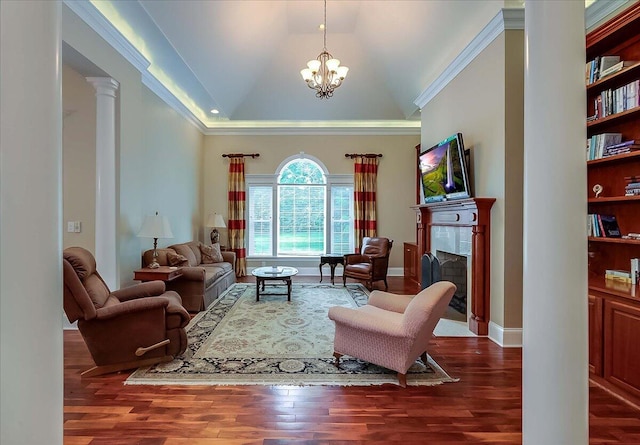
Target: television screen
[[442, 171]]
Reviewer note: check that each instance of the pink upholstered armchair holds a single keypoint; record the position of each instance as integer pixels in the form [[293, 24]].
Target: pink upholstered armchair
[[135, 326], [391, 330]]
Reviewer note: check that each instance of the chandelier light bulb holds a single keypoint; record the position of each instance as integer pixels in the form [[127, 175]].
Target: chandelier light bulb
[[306, 74], [314, 65]]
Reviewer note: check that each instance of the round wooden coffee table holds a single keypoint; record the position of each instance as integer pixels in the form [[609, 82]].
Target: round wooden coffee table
[[273, 273]]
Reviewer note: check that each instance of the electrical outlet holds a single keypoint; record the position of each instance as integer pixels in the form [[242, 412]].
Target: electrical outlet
[[70, 227], [77, 227]]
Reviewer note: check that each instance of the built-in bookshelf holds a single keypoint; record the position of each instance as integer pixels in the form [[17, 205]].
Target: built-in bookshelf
[[612, 108]]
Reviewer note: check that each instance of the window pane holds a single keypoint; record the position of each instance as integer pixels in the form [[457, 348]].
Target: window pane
[[301, 171], [342, 219], [301, 220], [260, 218]]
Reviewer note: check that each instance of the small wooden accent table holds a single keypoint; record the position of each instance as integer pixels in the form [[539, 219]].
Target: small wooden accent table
[[332, 259], [164, 273]]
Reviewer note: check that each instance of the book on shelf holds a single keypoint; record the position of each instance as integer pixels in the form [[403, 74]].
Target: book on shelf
[[618, 275], [598, 142], [635, 270], [631, 142], [610, 226], [612, 69], [595, 67], [610, 151], [603, 226], [618, 100], [618, 272], [618, 278], [633, 186]]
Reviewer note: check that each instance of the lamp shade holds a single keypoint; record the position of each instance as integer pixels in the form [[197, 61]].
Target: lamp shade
[[216, 220], [155, 226]]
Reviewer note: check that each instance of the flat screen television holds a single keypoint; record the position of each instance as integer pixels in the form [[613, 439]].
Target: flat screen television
[[442, 170]]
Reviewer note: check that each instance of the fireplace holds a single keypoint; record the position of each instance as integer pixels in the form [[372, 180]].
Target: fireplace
[[454, 268], [462, 228]]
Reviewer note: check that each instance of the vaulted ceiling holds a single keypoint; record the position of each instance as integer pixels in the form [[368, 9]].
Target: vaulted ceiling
[[244, 58]]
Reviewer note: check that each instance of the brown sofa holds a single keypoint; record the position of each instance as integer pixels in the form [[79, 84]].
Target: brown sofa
[[200, 284]]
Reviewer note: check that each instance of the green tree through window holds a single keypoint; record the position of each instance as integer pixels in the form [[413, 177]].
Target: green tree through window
[[301, 209]]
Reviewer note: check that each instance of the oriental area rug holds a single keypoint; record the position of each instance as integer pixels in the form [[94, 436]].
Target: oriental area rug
[[241, 341]]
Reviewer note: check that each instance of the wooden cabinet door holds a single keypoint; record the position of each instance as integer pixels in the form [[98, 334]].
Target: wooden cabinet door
[[622, 346], [595, 335], [411, 262]]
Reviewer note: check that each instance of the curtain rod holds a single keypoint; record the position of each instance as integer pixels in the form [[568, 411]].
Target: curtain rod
[[241, 155], [362, 155]]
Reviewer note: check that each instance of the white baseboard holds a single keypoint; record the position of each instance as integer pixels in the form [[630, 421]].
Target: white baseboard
[[505, 337]]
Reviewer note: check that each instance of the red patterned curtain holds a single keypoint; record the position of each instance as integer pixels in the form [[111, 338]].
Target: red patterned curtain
[[365, 186], [237, 223]]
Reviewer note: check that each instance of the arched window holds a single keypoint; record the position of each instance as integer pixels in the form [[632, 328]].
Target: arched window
[[300, 211], [302, 192]]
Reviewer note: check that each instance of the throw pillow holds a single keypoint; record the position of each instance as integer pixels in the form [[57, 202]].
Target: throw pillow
[[211, 254], [175, 259]]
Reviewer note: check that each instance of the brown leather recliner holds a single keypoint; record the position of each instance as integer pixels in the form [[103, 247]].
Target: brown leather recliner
[[135, 326], [371, 263]]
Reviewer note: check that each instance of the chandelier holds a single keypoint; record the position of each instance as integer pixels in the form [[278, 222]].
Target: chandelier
[[324, 73]]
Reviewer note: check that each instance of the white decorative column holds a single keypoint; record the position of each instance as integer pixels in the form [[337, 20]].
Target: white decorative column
[[106, 219], [554, 362], [31, 355]]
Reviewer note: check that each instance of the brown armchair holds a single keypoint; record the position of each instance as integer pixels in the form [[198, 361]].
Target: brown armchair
[[371, 263], [135, 326]]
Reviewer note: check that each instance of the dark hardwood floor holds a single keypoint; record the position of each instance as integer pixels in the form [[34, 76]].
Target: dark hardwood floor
[[483, 407]]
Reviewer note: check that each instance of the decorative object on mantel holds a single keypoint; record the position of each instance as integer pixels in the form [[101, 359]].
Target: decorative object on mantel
[[324, 74], [241, 155], [362, 155], [216, 222], [155, 226]]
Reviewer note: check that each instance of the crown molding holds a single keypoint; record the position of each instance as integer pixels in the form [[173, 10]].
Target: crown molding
[[600, 10], [157, 87], [103, 27], [264, 128], [96, 21], [506, 19]]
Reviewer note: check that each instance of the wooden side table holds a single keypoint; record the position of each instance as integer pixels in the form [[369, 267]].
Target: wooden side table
[[163, 273], [332, 259]]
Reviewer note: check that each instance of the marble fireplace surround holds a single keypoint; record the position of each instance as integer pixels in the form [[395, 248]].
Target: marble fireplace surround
[[462, 227]]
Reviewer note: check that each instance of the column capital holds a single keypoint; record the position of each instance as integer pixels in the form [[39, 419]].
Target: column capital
[[104, 85]]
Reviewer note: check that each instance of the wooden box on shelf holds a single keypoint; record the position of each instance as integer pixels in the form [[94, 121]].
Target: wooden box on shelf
[[614, 308]]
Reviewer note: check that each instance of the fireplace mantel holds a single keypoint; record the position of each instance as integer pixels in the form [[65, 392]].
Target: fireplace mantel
[[474, 213]]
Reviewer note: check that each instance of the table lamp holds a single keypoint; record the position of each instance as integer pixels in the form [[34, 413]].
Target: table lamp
[[155, 226], [217, 222]]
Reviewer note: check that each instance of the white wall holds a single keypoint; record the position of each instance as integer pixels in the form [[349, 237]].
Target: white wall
[[158, 159], [79, 158], [31, 372]]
